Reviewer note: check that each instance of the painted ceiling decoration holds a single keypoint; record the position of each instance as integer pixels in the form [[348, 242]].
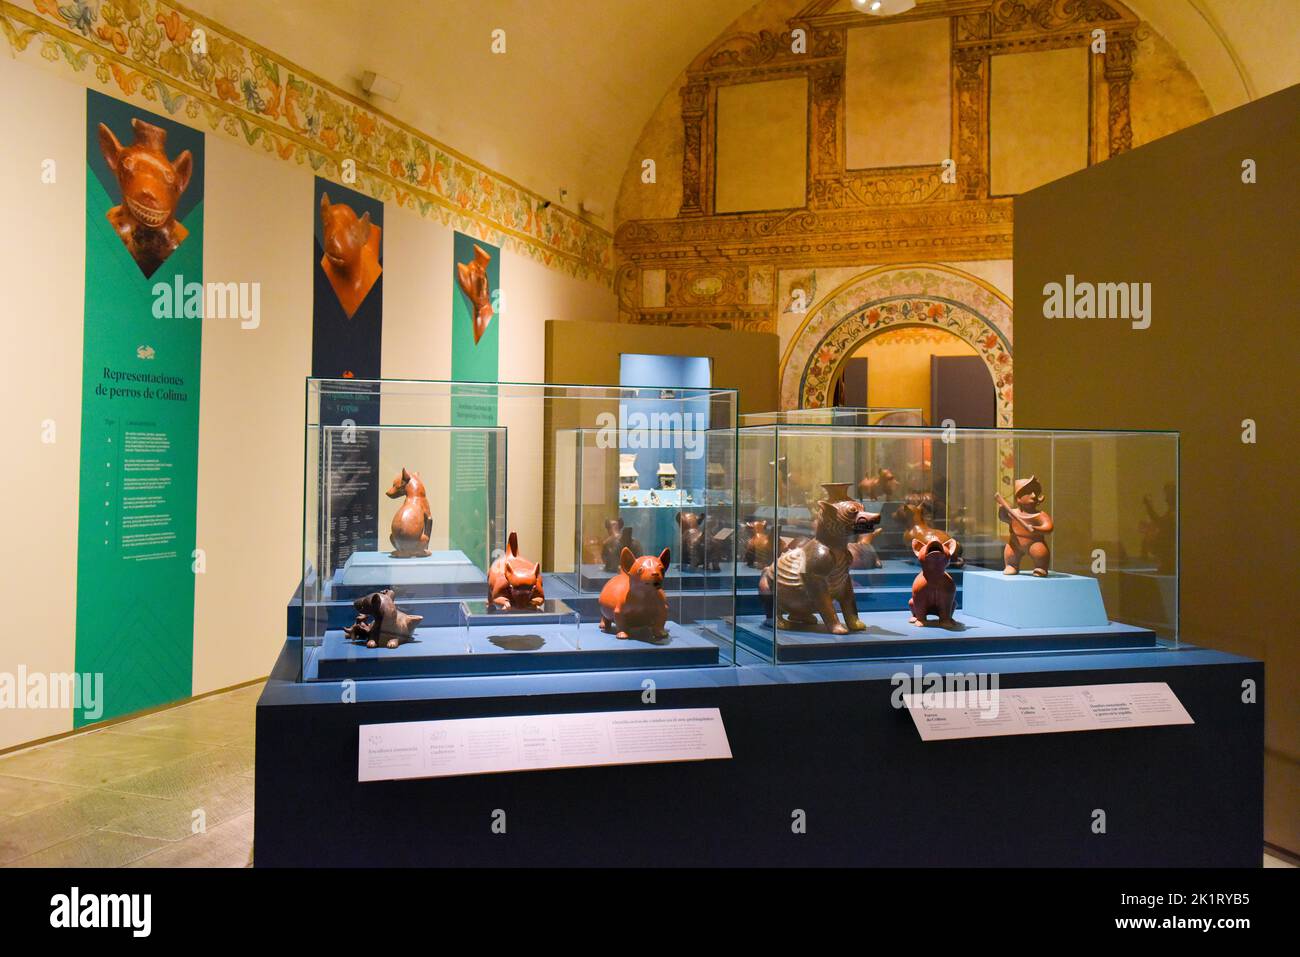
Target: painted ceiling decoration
[[142, 51]]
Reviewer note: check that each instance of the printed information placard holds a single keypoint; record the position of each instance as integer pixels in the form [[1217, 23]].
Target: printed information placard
[[940, 717], [435, 749]]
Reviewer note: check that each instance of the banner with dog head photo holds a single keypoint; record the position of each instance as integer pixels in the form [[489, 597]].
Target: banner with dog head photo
[[142, 345]]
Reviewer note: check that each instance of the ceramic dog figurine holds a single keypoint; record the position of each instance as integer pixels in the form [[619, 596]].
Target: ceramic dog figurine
[[620, 537], [351, 259], [414, 521], [514, 582], [877, 487], [634, 599], [933, 591], [914, 514], [473, 280], [1028, 527], [151, 187], [379, 620], [811, 577], [758, 546], [697, 530]]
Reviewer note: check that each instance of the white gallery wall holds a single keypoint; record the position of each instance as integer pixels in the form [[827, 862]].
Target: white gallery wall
[[259, 219]]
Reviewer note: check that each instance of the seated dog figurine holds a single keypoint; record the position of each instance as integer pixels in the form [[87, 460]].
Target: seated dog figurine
[[634, 599], [933, 591]]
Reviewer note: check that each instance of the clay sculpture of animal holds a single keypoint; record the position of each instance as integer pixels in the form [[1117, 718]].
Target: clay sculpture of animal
[[877, 487], [914, 514], [514, 582], [473, 280], [863, 552], [811, 577], [620, 537], [1029, 526], [696, 534], [151, 187], [380, 622], [633, 601], [351, 260], [758, 546], [414, 520], [933, 590]]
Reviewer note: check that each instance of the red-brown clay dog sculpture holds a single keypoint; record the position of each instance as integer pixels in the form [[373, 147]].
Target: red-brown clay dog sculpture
[[380, 620], [620, 537], [151, 187], [879, 486], [351, 260], [473, 280], [933, 591], [514, 582], [917, 527], [1029, 526], [813, 575], [634, 599], [414, 521]]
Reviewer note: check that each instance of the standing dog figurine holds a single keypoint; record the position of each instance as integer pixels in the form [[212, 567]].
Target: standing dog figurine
[[413, 521], [151, 187], [380, 620], [933, 592], [634, 599], [514, 582], [1029, 526], [812, 576]]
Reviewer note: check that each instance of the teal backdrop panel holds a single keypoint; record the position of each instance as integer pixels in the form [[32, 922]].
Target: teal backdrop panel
[[473, 361], [142, 346]]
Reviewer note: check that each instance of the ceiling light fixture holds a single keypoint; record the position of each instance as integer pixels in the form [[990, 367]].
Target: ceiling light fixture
[[884, 8]]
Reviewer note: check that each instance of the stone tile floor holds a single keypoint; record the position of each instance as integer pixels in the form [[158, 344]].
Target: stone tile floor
[[169, 789], [132, 794]]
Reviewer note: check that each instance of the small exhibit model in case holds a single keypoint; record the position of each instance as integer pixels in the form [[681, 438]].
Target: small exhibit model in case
[[930, 563], [434, 554]]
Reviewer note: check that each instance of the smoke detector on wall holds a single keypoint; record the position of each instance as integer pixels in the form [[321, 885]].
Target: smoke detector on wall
[[884, 8]]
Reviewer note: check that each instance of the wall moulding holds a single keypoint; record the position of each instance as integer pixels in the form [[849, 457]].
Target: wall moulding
[[143, 52]]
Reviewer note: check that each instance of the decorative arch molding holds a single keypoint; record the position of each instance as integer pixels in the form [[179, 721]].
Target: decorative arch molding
[[919, 294]]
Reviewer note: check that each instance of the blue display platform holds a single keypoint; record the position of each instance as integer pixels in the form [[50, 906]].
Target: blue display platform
[[1027, 601], [889, 634], [826, 739], [548, 647], [440, 574]]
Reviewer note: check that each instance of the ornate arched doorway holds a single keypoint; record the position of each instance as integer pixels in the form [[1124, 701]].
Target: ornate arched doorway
[[924, 294]]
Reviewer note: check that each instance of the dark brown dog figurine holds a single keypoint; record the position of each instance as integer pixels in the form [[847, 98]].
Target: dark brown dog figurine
[[914, 513], [696, 532], [880, 486], [811, 577], [933, 591], [380, 620], [1028, 528], [151, 187], [351, 260], [414, 520], [473, 280], [758, 546], [619, 538], [634, 599], [864, 553], [514, 582]]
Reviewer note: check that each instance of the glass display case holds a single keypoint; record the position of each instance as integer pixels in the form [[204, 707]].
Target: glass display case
[[886, 542], [467, 528]]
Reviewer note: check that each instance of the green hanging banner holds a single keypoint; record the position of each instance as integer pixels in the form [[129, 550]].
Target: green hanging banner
[[475, 338], [139, 406]]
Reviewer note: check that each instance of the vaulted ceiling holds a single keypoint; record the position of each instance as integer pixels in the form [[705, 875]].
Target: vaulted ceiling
[[563, 107]]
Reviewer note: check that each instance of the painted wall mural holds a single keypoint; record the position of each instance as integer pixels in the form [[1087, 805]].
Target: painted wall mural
[[683, 263], [143, 50]]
